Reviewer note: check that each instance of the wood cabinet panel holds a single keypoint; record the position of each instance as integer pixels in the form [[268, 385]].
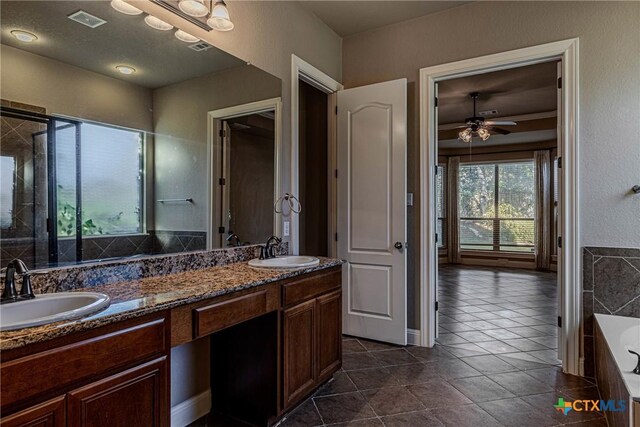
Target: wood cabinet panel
[[311, 286], [62, 366], [299, 342], [136, 397], [48, 414], [329, 330], [215, 317]]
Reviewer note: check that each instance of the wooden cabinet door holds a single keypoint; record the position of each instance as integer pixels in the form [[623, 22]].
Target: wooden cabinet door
[[329, 332], [136, 397], [299, 341], [48, 414]]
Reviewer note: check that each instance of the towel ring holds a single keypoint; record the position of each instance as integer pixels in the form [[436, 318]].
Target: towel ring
[[294, 203]]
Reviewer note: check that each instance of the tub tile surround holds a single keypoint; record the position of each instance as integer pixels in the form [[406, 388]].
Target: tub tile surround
[[611, 285]]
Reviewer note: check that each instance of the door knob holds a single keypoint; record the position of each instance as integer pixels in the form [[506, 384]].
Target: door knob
[[398, 245]]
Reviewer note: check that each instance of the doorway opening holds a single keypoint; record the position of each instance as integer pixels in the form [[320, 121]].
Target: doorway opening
[[496, 206], [314, 178], [497, 144]]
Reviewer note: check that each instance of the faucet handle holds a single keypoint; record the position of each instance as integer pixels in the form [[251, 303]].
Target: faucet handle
[[636, 370], [26, 292]]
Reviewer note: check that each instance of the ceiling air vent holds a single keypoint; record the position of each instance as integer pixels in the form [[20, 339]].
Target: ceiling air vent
[[488, 113], [200, 46], [84, 18]]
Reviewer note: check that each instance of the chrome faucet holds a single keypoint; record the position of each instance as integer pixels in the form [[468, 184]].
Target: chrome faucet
[[266, 251], [637, 368], [231, 237], [10, 294]]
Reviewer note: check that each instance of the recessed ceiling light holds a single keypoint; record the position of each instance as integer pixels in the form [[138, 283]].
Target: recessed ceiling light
[[24, 36], [157, 24], [124, 7], [125, 69], [186, 37]]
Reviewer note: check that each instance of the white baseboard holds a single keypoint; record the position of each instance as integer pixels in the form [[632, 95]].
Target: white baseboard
[[184, 413], [413, 336]]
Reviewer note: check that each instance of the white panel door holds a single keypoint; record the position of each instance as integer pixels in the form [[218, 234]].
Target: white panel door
[[372, 213]]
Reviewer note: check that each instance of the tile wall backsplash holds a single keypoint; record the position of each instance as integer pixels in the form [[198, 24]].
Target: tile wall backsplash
[[611, 285]]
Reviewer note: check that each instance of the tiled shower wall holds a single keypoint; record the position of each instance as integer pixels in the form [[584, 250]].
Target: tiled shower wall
[[611, 285]]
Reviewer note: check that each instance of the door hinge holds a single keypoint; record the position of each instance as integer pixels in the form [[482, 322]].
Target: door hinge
[[336, 173], [221, 230], [336, 110], [559, 82], [436, 172], [336, 237], [222, 181], [559, 162], [559, 241], [436, 237], [559, 321], [436, 305], [436, 101], [222, 133]]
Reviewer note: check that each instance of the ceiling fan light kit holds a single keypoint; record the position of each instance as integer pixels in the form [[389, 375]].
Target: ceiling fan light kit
[[477, 126]]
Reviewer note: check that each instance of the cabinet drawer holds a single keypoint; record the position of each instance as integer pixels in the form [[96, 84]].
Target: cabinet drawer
[[47, 414], [59, 367], [312, 286], [221, 315]]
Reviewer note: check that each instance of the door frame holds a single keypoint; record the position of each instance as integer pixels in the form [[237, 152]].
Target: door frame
[[214, 123], [302, 70], [569, 262]]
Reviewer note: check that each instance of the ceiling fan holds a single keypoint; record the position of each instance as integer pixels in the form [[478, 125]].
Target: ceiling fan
[[478, 126]]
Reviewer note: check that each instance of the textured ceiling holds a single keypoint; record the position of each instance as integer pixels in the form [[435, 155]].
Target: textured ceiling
[[352, 17], [159, 58]]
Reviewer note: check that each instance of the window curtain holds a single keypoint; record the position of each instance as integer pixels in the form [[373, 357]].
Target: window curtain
[[453, 216], [543, 209]]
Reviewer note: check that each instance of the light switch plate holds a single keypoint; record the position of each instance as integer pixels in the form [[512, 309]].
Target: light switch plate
[[409, 199], [285, 232]]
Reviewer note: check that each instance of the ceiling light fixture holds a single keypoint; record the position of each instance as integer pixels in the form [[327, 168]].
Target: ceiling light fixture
[[219, 18], [24, 36], [124, 7], [186, 37], [157, 24], [478, 126], [125, 69], [195, 8]]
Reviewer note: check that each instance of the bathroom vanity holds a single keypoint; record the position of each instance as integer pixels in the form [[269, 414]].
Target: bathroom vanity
[[275, 337]]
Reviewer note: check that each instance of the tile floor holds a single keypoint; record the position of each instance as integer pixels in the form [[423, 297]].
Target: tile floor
[[494, 365]]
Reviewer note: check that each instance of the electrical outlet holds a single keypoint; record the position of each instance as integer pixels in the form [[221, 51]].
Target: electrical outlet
[[285, 232], [409, 199]]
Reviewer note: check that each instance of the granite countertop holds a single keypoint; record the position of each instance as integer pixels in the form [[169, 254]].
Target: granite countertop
[[136, 298]]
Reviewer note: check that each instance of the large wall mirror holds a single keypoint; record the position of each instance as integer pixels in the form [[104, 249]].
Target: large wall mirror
[[108, 146]]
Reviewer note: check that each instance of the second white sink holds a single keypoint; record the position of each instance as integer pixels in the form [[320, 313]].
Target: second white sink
[[290, 261], [49, 308]]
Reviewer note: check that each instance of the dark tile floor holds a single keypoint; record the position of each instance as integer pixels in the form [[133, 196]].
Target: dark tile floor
[[494, 365]]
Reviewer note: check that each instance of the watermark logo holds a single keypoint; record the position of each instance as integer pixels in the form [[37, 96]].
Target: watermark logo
[[590, 406]]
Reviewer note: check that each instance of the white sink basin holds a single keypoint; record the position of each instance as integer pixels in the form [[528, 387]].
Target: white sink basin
[[290, 261], [49, 308]]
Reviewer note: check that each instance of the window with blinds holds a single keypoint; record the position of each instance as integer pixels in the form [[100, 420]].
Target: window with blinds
[[497, 206], [441, 211]]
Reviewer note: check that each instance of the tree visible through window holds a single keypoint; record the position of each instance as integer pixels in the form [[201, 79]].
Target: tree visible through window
[[497, 206], [110, 175]]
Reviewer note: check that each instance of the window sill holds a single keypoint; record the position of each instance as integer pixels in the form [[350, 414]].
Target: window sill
[[104, 236], [497, 254]]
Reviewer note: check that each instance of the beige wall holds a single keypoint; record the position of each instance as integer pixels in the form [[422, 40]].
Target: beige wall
[[609, 92], [72, 91], [180, 122]]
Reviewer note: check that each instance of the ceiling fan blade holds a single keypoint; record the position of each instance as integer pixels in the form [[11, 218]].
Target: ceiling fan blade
[[500, 123], [500, 131]]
